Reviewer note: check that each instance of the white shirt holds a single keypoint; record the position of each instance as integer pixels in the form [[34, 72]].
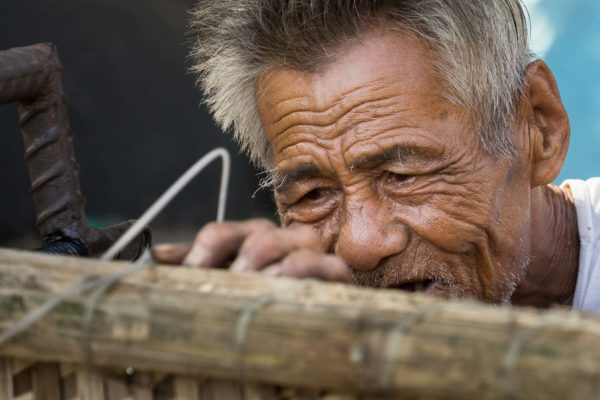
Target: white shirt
[[587, 204]]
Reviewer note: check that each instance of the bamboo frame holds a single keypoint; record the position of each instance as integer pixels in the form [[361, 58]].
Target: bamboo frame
[[249, 328]]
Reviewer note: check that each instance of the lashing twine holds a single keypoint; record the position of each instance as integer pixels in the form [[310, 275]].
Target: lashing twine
[[516, 350], [102, 287], [245, 318], [394, 340]]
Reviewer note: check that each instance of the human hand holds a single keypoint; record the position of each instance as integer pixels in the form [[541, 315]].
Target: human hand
[[257, 245]]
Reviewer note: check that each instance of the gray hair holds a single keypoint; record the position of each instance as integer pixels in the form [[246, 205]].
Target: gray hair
[[479, 47]]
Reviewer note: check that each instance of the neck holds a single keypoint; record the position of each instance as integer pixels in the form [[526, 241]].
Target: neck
[[552, 273]]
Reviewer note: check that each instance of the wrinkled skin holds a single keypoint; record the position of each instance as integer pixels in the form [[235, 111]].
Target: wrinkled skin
[[382, 181]]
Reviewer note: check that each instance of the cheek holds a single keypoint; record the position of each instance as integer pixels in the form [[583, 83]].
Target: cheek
[[451, 215], [327, 231], [484, 225], [444, 229], [327, 215]]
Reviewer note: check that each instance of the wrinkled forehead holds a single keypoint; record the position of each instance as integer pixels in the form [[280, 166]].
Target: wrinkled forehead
[[377, 66], [378, 84]]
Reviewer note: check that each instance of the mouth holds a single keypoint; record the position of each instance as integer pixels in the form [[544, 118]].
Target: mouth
[[425, 286]]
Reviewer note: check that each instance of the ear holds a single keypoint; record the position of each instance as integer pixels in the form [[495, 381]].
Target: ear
[[548, 124]]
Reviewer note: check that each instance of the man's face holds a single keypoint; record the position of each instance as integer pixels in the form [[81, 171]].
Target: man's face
[[393, 176]]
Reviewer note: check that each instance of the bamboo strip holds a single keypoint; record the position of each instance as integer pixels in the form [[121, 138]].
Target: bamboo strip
[[5, 379], [90, 385], [186, 388], [46, 381]]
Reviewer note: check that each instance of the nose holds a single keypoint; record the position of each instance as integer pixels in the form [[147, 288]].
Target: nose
[[368, 234]]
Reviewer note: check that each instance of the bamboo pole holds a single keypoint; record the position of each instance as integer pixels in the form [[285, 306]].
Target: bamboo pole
[[249, 327]]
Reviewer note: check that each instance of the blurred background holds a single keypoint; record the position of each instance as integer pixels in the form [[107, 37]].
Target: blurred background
[[135, 112], [138, 122]]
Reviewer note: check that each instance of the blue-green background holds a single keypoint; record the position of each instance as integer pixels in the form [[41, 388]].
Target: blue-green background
[[566, 34]]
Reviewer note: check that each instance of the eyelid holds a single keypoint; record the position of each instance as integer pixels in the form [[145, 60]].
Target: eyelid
[[400, 179], [296, 191], [311, 211]]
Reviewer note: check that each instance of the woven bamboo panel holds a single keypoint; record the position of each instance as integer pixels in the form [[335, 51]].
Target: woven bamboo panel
[[28, 380]]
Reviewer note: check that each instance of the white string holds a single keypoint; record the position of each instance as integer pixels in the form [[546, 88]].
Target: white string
[[90, 281], [175, 188]]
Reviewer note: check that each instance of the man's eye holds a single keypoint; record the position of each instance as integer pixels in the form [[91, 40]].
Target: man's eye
[[313, 195], [315, 205], [398, 179]]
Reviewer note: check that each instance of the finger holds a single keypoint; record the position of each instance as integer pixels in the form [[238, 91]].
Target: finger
[[170, 253], [216, 243], [267, 247], [308, 264]]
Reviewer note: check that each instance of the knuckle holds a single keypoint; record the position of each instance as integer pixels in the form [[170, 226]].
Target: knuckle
[[309, 237], [291, 268], [212, 228], [304, 230], [211, 235], [303, 256], [301, 261], [260, 242]]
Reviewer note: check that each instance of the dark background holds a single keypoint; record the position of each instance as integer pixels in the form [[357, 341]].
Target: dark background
[[135, 113]]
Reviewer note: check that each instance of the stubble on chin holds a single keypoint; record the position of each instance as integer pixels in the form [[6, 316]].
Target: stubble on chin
[[511, 280], [453, 280]]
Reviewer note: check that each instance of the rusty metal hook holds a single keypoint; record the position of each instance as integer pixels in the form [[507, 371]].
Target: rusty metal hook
[[31, 77]]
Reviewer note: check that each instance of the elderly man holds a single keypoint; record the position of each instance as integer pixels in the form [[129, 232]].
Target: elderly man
[[411, 145]]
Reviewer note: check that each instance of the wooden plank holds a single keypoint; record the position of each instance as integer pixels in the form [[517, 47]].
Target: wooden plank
[[186, 388], [216, 389], [22, 381], [262, 392], [303, 334], [116, 390], [46, 381], [5, 379], [141, 386], [90, 384]]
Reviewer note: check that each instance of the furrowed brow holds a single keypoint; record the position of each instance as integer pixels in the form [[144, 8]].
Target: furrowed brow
[[288, 177], [401, 154]]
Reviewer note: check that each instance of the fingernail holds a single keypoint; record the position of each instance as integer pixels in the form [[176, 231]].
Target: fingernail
[[240, 264], [195, 257], [162, 248]]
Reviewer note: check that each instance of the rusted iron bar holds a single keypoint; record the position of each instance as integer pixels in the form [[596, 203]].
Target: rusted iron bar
[[31, 77]]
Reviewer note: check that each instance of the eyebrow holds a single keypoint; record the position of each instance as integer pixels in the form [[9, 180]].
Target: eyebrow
[[398, 153], [287, 177]]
